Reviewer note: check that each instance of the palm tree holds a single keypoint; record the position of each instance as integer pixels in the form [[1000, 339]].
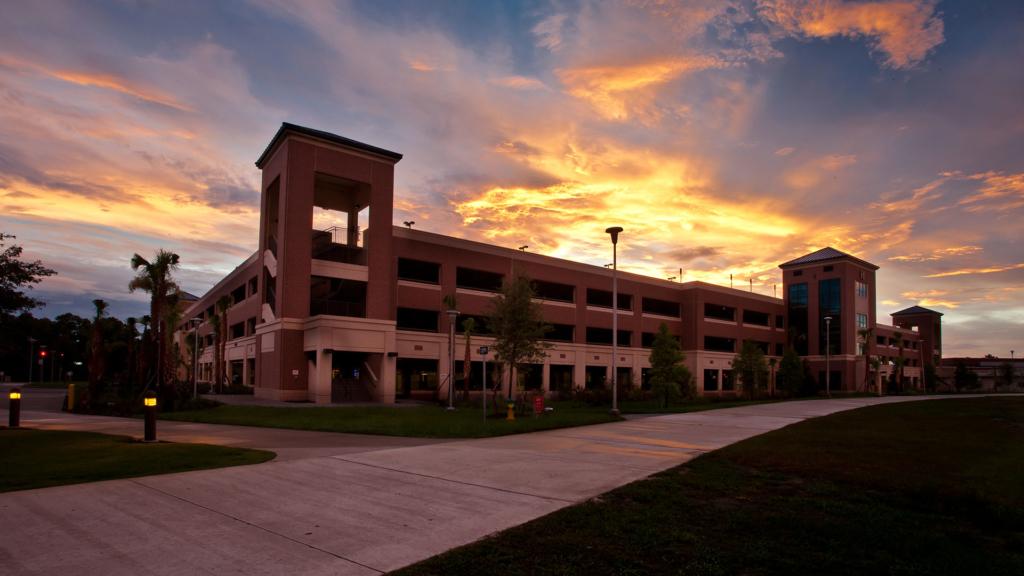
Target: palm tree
[[97, 359], [223, 304], [866, 335], [155, 277], [467, 329]]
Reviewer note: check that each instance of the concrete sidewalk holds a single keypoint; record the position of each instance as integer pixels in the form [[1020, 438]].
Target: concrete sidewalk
[[361, 510]]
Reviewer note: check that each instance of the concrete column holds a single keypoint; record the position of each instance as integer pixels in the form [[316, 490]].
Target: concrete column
[[320, 376], [245, 366], [386, 384], [579, 372], [353, 227], [545, 383]]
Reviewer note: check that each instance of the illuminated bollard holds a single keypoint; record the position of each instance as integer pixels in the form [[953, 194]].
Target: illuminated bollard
[[14, 408], [149, 404]]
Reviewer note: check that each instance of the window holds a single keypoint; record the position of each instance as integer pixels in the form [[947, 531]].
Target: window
[[719, 312], [560, 333], [798, 317], [603, 299], [764, 346], [647, 339], [481, 324], [756, 318], [779, 321], [419, 271], [237, 330], [778, 350], [660, 307], [416, 319], [798, 273], [862, 321], [478, 279], [253, 285], [727, 382], [830, 305], [710, 380], [238, 294], [717, 344], [862, 289], [337, 297], [604, 336], [250, 326], [554, 291], [828, 268]]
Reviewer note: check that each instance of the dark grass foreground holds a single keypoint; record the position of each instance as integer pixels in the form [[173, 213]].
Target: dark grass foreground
[[419, 421], [41, 458], [934, 487]]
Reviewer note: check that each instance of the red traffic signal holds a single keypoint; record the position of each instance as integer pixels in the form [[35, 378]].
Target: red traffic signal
[[42, 353]]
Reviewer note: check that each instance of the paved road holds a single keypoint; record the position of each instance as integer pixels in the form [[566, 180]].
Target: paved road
[[354, 506]]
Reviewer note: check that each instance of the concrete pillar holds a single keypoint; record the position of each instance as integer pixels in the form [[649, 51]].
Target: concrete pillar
[[245, 366], [320, 376], [353, 227], [545, 384], [388, 377], [579, 372]]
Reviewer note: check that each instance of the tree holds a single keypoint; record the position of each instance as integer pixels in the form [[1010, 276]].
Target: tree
[[790, 378], [752, 368], [155, 277], [518, 326], [222, 306], [963, 377], [16, 275], [866, 335], [1005, 375], [97, 354], [669, 376], [468, 325]]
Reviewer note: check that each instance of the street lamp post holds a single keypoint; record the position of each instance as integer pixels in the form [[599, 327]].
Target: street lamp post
[[614, 232], [31, 357], [195, 322], [828, 352], [452, 315]]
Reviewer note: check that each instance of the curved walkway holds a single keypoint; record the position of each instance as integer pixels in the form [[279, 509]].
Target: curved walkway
[[362, 505]]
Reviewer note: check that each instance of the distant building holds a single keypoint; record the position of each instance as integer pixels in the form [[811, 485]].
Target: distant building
[[356, 312]]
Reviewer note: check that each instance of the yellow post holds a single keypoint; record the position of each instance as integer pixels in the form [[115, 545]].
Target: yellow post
[[71, 397], [511, 411]]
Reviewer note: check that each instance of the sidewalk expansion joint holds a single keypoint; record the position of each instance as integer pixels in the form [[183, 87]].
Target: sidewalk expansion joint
[[256, 526], [460, 482]]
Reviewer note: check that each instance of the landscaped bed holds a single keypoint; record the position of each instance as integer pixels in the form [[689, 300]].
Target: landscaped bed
[[934, 487], [418, 421], [41, 458]]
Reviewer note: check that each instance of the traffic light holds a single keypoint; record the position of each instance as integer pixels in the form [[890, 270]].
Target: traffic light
[[42, 353]]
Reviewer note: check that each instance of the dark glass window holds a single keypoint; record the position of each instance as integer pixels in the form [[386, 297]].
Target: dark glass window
[[756, 318], [660, 307], [647, 339], [238, 294], [828, 268], [481, 324], [416, 319], [798, 318], [478, 279], [560, 332], [250, 326], [419, 271], [603, 299], [778, 349], [779, 321], [764, 346], [727, 382], [798, 273], [880, 340], [830, 304], [554, 291], [595, 377], [604, 336], [710, 380], [238, 330], [718, 344], [253, 285], [719, 312], [337, 297]]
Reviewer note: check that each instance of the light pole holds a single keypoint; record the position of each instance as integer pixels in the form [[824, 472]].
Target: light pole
[[31, 357], [195, 322], [483, 350], [614, 232], [828, 351], [452, 315]]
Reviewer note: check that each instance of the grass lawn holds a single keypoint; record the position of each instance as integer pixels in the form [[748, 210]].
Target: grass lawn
[[933, 487], [41, 458], [419, 421]]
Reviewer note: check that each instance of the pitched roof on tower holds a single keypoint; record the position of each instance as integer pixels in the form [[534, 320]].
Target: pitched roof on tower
[[289, 128], [824, 255], [915, 310]]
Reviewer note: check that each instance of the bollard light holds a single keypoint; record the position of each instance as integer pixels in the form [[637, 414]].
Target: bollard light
[[150, 412], [14, 408]]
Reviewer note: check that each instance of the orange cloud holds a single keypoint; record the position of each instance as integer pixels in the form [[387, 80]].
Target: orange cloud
[[904, 31], [999, 192], [812, 173], [937, 254], [616, 92], [988, 270], [519, 83]]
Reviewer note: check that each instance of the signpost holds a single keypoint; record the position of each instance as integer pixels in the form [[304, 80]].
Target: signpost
[[483, 350], [538, 405]]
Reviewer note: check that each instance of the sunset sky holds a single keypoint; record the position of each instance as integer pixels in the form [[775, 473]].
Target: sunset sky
[[725, 137]]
